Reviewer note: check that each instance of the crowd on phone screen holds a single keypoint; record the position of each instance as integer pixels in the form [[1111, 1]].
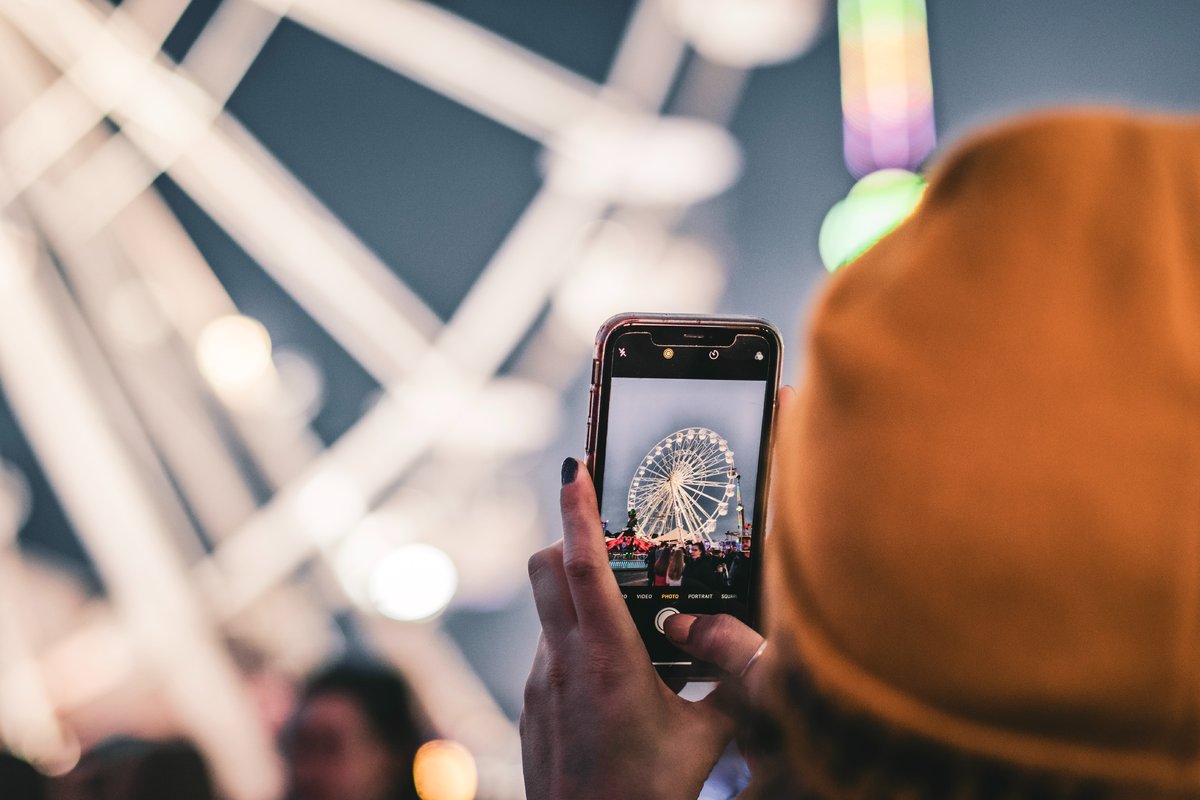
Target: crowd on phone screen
[[698, 566], [352, 735]]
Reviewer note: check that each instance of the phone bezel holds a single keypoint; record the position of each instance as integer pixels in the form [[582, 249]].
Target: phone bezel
[[713, 331]]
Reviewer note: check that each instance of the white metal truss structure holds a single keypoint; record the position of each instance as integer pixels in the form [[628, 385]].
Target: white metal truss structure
[[108, 313]]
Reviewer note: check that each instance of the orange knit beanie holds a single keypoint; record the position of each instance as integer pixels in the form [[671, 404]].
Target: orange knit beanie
[[987, 504]]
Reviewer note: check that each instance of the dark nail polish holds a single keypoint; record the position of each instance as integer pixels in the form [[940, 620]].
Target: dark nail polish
[[570, 468]]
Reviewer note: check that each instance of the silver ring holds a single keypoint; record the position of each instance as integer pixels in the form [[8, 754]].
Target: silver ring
[[757, 654]]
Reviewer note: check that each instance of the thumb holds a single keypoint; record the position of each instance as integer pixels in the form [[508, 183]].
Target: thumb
[[718, 639]]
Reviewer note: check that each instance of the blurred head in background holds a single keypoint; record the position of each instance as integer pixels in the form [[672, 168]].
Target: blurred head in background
[[135, 769], [353, 736], [19, 780]]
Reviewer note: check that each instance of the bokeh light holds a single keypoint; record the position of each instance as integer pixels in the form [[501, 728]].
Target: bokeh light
[[234, 355], [371, 539], [887, 85], [874, 207], [445, 770], [414, 582]]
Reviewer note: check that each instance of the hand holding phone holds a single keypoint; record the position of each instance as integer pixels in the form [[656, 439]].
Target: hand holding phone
[[679, 440], [597, 721]]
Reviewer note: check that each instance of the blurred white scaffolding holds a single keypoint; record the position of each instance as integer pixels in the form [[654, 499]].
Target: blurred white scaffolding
[[128, 366]]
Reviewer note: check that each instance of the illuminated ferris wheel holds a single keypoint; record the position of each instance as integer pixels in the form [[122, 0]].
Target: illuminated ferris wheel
[[683, 485]]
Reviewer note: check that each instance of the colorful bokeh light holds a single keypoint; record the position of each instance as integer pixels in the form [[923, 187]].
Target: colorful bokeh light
[[887, 88], [872, 209]]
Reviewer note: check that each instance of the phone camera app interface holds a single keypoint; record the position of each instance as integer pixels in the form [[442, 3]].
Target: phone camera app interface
[[682, 454]]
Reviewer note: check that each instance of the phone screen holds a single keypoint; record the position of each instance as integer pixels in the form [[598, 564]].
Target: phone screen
[[679, 460]]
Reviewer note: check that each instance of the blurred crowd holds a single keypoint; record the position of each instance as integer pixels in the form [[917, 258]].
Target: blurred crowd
[[352, 734], [699, 567]]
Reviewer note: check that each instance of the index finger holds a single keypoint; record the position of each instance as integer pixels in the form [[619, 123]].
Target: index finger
[[598, 604]]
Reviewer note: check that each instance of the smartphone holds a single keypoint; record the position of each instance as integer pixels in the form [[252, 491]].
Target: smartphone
[[680, 421]]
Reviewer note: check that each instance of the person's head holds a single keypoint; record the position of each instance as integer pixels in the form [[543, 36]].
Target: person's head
[[696, 549], [983, 578], [675, 567], [125, 768], [353, 736], [19, 780], [661, 561], [174, 769]]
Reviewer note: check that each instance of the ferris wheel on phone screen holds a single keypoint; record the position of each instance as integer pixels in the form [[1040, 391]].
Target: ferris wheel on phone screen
[[683, 486]]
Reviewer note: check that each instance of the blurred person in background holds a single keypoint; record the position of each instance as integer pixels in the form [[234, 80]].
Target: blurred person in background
[[135, 769], [19, 780], [983, 578], [173, 770], [353, 736]]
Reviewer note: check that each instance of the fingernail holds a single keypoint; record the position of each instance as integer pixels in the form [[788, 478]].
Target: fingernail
[[678, 627], [570, 468]]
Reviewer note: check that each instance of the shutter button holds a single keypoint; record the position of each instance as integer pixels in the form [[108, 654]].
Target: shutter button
[[661, 617]]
